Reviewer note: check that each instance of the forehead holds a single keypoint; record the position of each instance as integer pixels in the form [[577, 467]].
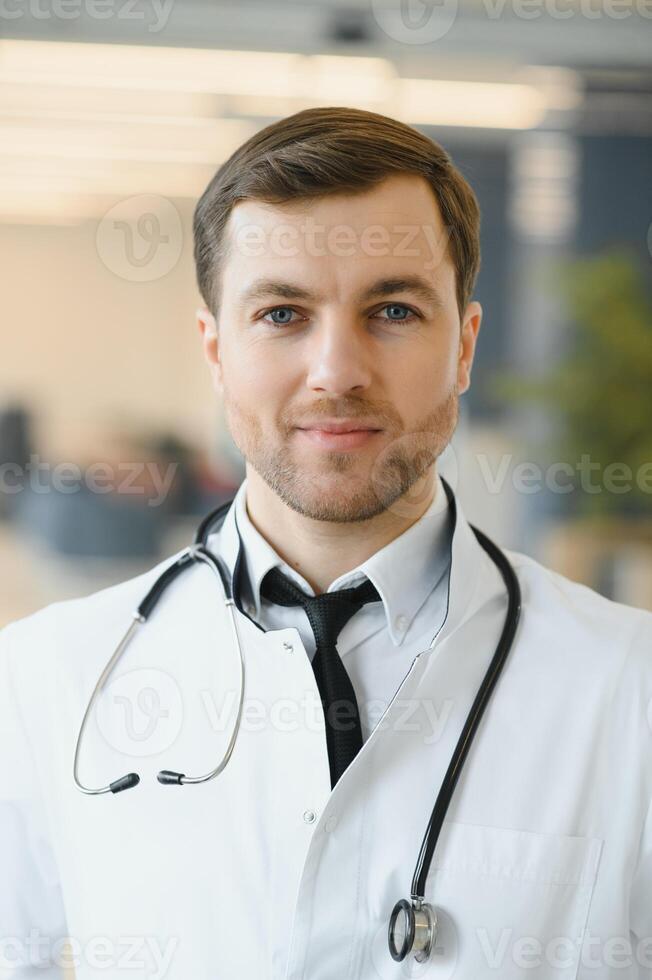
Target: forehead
[[394, 227]]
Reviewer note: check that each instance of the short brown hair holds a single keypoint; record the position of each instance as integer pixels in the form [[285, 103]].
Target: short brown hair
[[334, 149]]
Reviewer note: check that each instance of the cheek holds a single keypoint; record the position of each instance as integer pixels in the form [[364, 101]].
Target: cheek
[[254, 380], [243, 369], [423, 378]]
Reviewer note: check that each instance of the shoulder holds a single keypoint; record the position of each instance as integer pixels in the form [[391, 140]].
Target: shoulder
[[575, 616]]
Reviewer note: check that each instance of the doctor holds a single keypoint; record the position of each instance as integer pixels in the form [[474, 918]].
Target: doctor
[[336, 254]]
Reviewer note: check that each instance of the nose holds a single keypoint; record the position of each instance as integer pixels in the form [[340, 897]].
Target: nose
[[339, 360]]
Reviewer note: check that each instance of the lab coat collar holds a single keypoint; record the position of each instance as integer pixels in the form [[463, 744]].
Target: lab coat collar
[[472, 576], [473, 579]]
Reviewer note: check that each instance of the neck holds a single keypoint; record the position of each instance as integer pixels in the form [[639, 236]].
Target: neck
[[321, 551]]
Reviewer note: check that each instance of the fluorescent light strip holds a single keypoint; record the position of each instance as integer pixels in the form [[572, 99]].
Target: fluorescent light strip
[[111, 66], [275, 75], [98, 119], [213, 140], [492, 105]]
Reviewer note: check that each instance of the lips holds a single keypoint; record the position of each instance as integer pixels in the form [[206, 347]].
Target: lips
[[351, 439], [339, 432], [350, 425]]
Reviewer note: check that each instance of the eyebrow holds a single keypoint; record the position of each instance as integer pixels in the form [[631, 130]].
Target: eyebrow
[[262, 288]]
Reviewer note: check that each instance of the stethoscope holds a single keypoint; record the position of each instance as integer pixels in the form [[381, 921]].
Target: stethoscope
[[413, 923]]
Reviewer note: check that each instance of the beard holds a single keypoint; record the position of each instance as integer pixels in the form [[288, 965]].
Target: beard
[[341, 487]]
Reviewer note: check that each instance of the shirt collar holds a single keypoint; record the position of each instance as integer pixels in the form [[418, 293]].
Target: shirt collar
[[472, 583], [405, 571]]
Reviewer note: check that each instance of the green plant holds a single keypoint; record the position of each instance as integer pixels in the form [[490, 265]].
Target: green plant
[[600, 391]]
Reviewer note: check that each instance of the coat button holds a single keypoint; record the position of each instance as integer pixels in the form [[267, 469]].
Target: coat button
[[309, 816]]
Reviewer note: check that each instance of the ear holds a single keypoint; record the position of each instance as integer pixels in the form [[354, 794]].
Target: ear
[[210, 343], [468, 337]]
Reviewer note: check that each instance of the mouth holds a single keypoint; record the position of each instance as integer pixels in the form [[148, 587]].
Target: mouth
[[327, 439]]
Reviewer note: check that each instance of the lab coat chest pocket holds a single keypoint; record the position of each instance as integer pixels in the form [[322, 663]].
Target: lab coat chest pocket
[[512, 903]]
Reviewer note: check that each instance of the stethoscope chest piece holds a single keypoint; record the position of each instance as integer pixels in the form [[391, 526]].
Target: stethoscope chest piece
[[412, 929]]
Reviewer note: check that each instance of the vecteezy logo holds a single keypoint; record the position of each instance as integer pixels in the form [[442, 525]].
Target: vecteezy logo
[[140, 238], [415, 21], [140, 713]]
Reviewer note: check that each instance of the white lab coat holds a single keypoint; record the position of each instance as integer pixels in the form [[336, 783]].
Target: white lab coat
[[544, 866]]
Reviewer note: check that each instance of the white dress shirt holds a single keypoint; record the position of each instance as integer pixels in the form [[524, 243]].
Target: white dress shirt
[[379, 643]]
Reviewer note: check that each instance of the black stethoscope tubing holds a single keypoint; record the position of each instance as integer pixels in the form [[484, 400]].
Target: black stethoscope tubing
[[503, 647]]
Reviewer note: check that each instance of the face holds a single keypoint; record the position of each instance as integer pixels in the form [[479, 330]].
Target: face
[[341, 310]]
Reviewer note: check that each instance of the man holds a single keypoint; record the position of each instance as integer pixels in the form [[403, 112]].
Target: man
[[336, 255]]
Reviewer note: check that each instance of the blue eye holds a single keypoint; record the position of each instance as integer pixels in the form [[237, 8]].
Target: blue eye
[[283, 309], [399, 306]]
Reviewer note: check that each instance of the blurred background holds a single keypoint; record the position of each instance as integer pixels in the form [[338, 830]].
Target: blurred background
[[114, 114]]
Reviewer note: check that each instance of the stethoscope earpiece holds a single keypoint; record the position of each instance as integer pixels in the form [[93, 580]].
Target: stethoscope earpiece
[[414, 926]]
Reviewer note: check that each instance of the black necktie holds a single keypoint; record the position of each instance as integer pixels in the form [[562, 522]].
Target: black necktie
[[328, 613]]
